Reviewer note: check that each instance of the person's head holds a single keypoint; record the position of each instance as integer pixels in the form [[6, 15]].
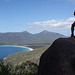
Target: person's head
[[74, 13]]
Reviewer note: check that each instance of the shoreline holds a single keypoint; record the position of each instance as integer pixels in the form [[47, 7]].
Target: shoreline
[[19, 46]]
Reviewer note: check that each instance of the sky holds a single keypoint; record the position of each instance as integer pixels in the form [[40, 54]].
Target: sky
[[35, 16]]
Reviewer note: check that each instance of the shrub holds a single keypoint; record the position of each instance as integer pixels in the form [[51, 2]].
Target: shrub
[[26, 68], [4, 70]]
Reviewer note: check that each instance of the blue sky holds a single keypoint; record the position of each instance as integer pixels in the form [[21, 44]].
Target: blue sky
[[35, 16]]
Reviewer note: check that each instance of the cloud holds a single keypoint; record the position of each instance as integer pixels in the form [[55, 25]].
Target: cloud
[[54, 23], [59, 26], [62, 26]]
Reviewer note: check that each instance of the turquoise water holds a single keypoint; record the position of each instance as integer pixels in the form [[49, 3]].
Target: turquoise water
[[8, 50]]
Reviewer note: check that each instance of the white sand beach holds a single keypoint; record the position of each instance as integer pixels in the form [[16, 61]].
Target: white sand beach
[[20, 46]]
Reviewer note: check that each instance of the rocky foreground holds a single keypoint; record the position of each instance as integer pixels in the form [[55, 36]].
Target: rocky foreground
[[58, 59]]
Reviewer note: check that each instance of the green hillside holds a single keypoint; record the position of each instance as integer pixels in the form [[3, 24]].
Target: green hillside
[[19, 58]]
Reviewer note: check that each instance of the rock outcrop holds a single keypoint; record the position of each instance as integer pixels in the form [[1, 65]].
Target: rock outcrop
[[59, 58]]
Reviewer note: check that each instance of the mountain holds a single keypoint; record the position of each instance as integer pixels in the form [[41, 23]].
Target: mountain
[[26, 38], [46, 36]]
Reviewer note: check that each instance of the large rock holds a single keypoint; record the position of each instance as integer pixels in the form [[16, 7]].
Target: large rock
[[59, 58]]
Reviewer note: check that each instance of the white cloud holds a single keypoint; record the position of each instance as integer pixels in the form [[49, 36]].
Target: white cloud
[[54, 23], [59, 26]]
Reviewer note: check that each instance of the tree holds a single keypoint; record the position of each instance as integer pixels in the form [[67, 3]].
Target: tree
[[27, 68], [4, 70]]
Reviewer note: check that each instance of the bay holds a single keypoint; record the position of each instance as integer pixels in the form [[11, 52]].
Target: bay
[[8, 50]]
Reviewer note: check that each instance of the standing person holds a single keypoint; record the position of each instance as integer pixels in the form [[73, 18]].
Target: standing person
[[72, 27]]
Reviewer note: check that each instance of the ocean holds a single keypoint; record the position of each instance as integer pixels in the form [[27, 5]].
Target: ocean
[[8, 50]]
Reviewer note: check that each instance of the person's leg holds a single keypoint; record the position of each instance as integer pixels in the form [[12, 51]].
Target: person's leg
[[72, 30]]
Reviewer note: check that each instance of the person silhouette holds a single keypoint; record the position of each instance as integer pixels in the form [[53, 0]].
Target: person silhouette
[[72, 27]]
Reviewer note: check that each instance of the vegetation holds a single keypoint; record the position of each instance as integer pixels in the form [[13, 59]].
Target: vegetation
[[4, 69], [26, 68], [20, 57], [23, 63]]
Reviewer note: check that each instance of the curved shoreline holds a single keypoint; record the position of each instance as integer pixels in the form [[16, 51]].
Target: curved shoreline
[[20, 46]]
